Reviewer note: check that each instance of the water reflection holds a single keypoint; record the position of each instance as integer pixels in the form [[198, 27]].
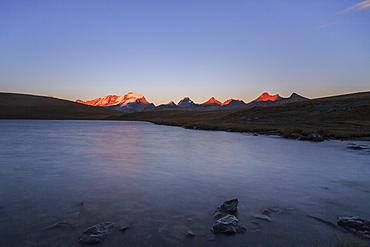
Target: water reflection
[[163, 181]]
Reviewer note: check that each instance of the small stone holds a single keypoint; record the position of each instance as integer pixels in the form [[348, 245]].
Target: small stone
[[191, 234], [266, 211], [124, 228]]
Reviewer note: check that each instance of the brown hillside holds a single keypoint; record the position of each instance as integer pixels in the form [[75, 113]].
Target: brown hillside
[[23, 106], [344, 116]]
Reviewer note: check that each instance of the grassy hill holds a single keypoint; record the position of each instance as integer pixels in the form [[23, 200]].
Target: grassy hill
[[344, 116], [23, 106]]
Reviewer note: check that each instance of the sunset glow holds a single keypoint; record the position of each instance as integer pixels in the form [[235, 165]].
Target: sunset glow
[[171, 49]]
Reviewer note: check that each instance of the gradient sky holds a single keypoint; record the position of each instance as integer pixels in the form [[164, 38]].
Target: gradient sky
[[169, 49]]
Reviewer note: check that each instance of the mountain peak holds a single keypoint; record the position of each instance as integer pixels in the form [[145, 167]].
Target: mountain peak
[[266, 96], [212, 100], [226, 102], [185, 102], [296, 97], [116, 100]]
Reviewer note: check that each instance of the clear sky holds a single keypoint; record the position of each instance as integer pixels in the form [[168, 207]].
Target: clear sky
[[169, 49]]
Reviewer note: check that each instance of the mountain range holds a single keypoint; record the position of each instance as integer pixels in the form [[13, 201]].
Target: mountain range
[[134, 102], [340, 116]]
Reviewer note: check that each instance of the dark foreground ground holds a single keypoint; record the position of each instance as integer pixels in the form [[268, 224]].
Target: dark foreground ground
[[343, 116]]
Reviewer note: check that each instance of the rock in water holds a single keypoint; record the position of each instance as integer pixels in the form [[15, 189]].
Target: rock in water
[[358, 147], [261, 217], [228, 225], [230, 206], [315, 137], [97, 233], [355, 225]]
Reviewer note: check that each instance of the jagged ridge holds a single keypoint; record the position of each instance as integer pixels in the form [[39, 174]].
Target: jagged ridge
[[133, 102]]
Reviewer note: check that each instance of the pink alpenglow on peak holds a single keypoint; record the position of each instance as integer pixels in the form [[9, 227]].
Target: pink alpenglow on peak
[[229, 100], [212, 100], [116, 100], [265, 97]]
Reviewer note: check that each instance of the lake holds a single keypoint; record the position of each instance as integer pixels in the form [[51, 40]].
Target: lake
[[164, 181]]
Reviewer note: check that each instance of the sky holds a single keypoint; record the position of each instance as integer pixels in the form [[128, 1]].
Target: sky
[[170, 49]]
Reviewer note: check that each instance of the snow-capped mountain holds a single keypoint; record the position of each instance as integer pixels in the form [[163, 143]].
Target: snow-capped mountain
[[116, 100], [185, 102]]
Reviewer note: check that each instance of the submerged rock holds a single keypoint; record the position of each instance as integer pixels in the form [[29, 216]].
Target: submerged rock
[[123, 228], [356, 225], [58, 224], [357, 147], [293, 136], [327, 223], [228, 225], [315, 137], [97, 233], [261, 217]]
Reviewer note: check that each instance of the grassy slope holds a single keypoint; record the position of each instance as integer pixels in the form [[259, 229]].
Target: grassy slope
[[344, 116], [23, 106]]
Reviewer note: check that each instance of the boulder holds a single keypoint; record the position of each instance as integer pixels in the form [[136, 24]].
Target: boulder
[[228, 225], [356, 225], [230, 206], [315, 137], [97, 233]]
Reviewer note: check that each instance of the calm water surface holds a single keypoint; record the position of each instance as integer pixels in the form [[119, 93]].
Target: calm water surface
[[164, 181]]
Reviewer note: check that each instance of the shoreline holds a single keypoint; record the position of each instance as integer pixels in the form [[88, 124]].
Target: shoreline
[[288, 133]]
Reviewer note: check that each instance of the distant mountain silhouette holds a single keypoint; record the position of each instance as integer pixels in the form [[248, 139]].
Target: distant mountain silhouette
[[134, 102]]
